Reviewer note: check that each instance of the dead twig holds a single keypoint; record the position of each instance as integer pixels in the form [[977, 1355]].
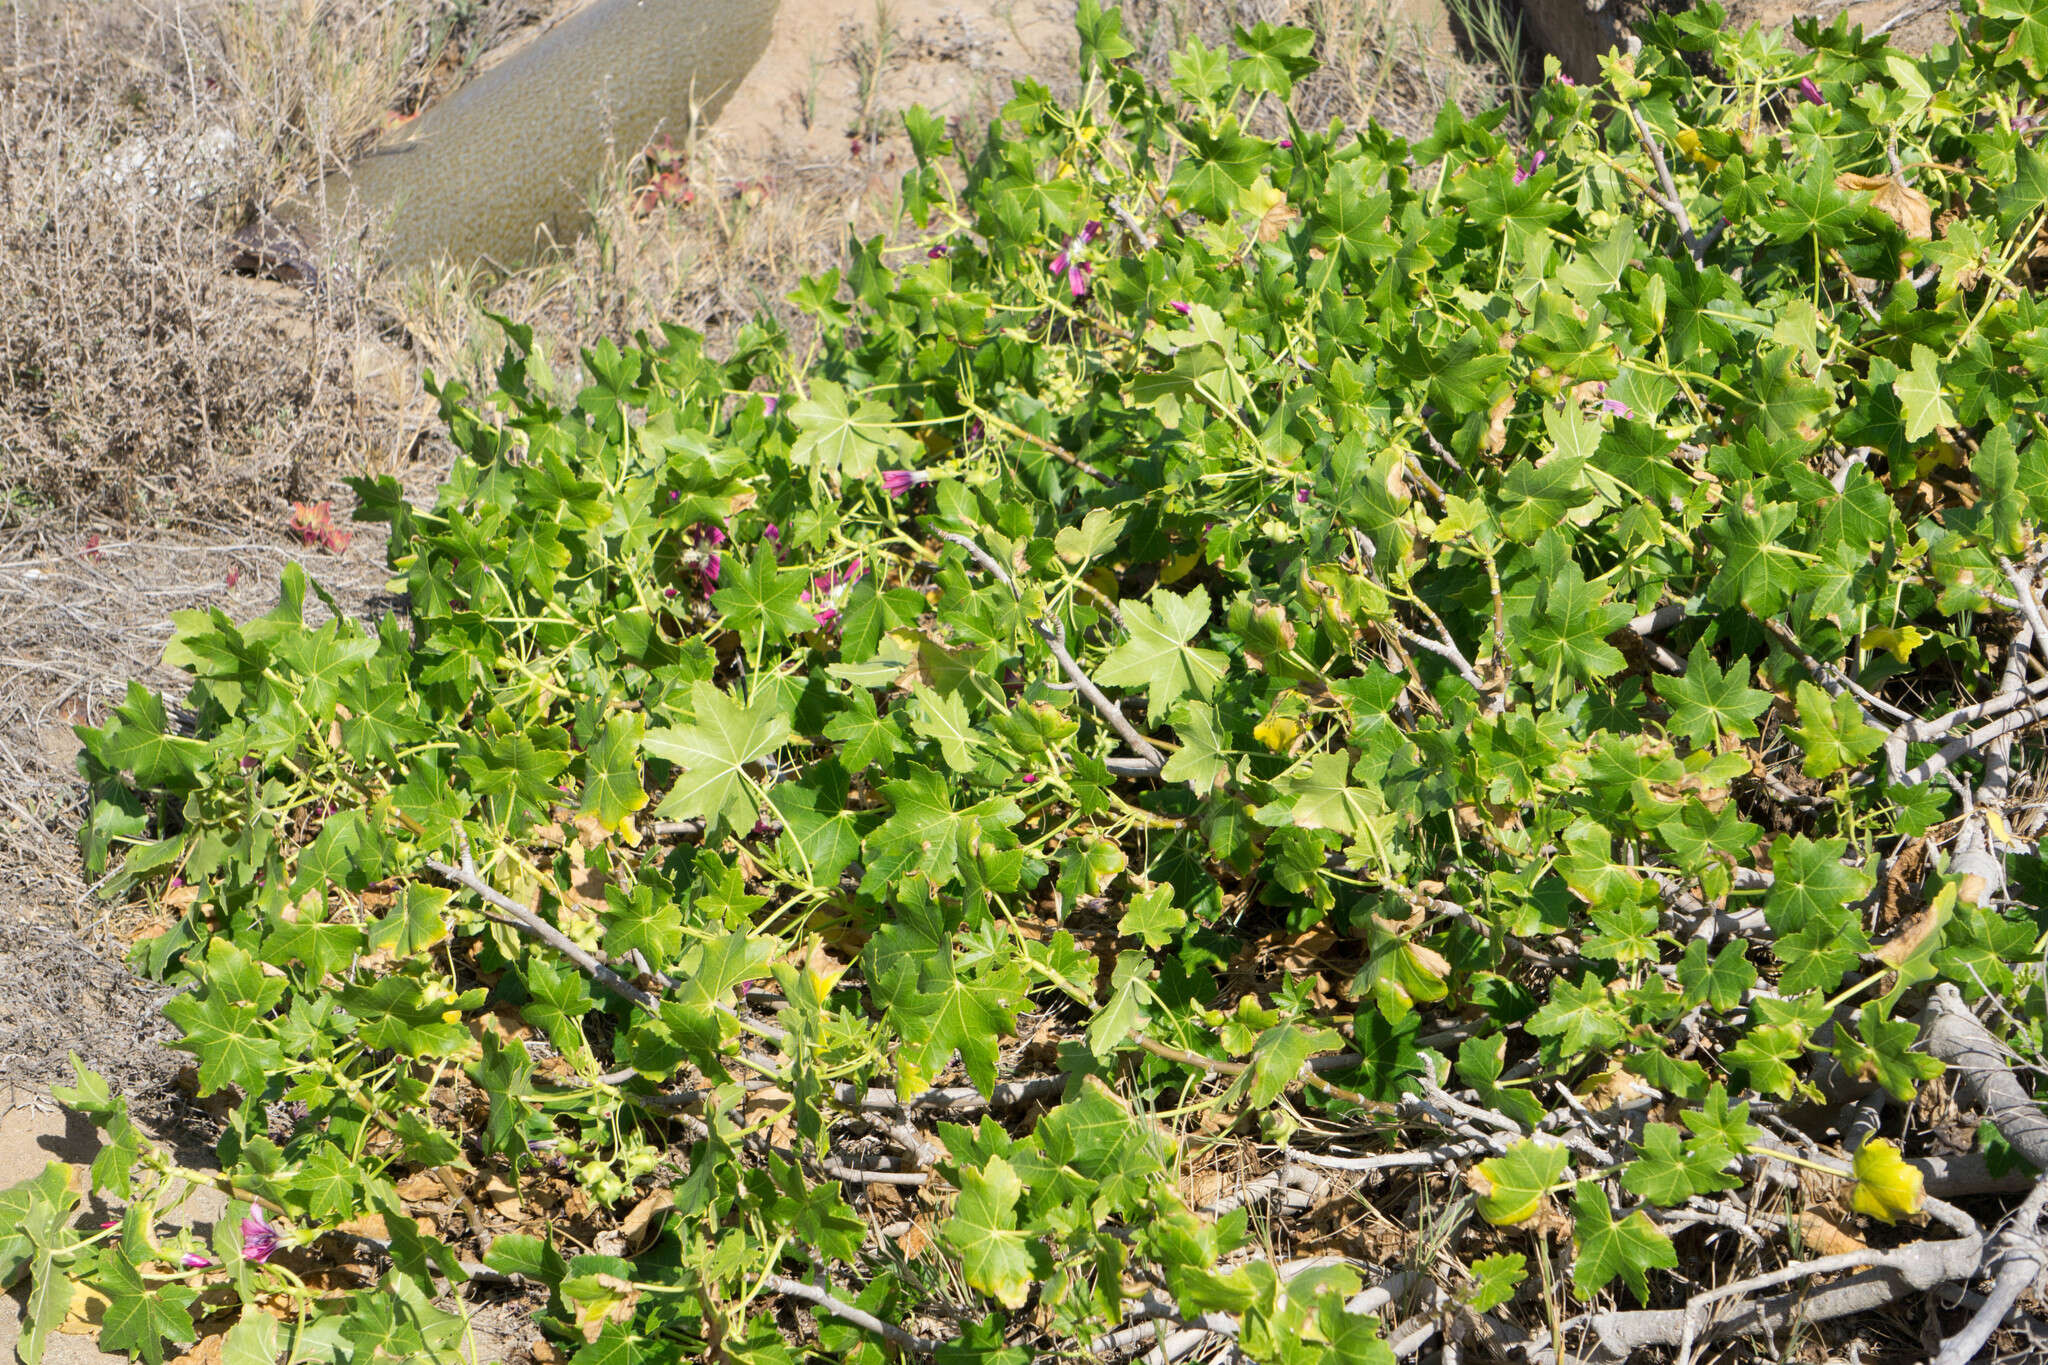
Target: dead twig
[[1150, 760], [824, 1302], [1672, 203], [524, 920]]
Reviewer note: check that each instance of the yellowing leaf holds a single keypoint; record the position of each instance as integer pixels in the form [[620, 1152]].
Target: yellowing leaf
[[1689, 142], [1511, 1186], [1886, 1187], [1940, 455], [1277, 733], [1900, 640]]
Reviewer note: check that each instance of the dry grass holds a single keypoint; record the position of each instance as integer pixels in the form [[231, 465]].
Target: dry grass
[[1375, 61], [748, 235], [138, 381]]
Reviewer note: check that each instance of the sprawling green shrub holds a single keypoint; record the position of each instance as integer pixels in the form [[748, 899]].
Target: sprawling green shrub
[[1514, 659]]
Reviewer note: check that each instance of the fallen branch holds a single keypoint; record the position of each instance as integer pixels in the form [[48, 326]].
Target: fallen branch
[[1935, 765], [1443, 1155], [1293, 1187], [2021, 1259], [1880, 1278], [826, 1303], [1979, 1060], [1953, 1177], [1927, 731], [1447, 649], [872, 1175], [1834, 680], [1654, 623], [1007, 1095], [2022, 580]]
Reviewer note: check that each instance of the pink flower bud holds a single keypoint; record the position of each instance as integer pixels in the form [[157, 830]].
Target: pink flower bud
[[1811, 92], [260, 1237], [897, 482]]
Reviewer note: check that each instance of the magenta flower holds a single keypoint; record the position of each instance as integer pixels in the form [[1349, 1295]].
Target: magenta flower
[[769, 403], [1181, 307], [1301, 495], [260, 1237], [1524, 172], [1286, 144], [106, 1223], [709, 572], [192, 1260], [772, 533], [1811, 92], [897, 482], [827, 593], [1068, 262], [1617, 407], [1028, 778], [937, 253], [1564, 78]]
